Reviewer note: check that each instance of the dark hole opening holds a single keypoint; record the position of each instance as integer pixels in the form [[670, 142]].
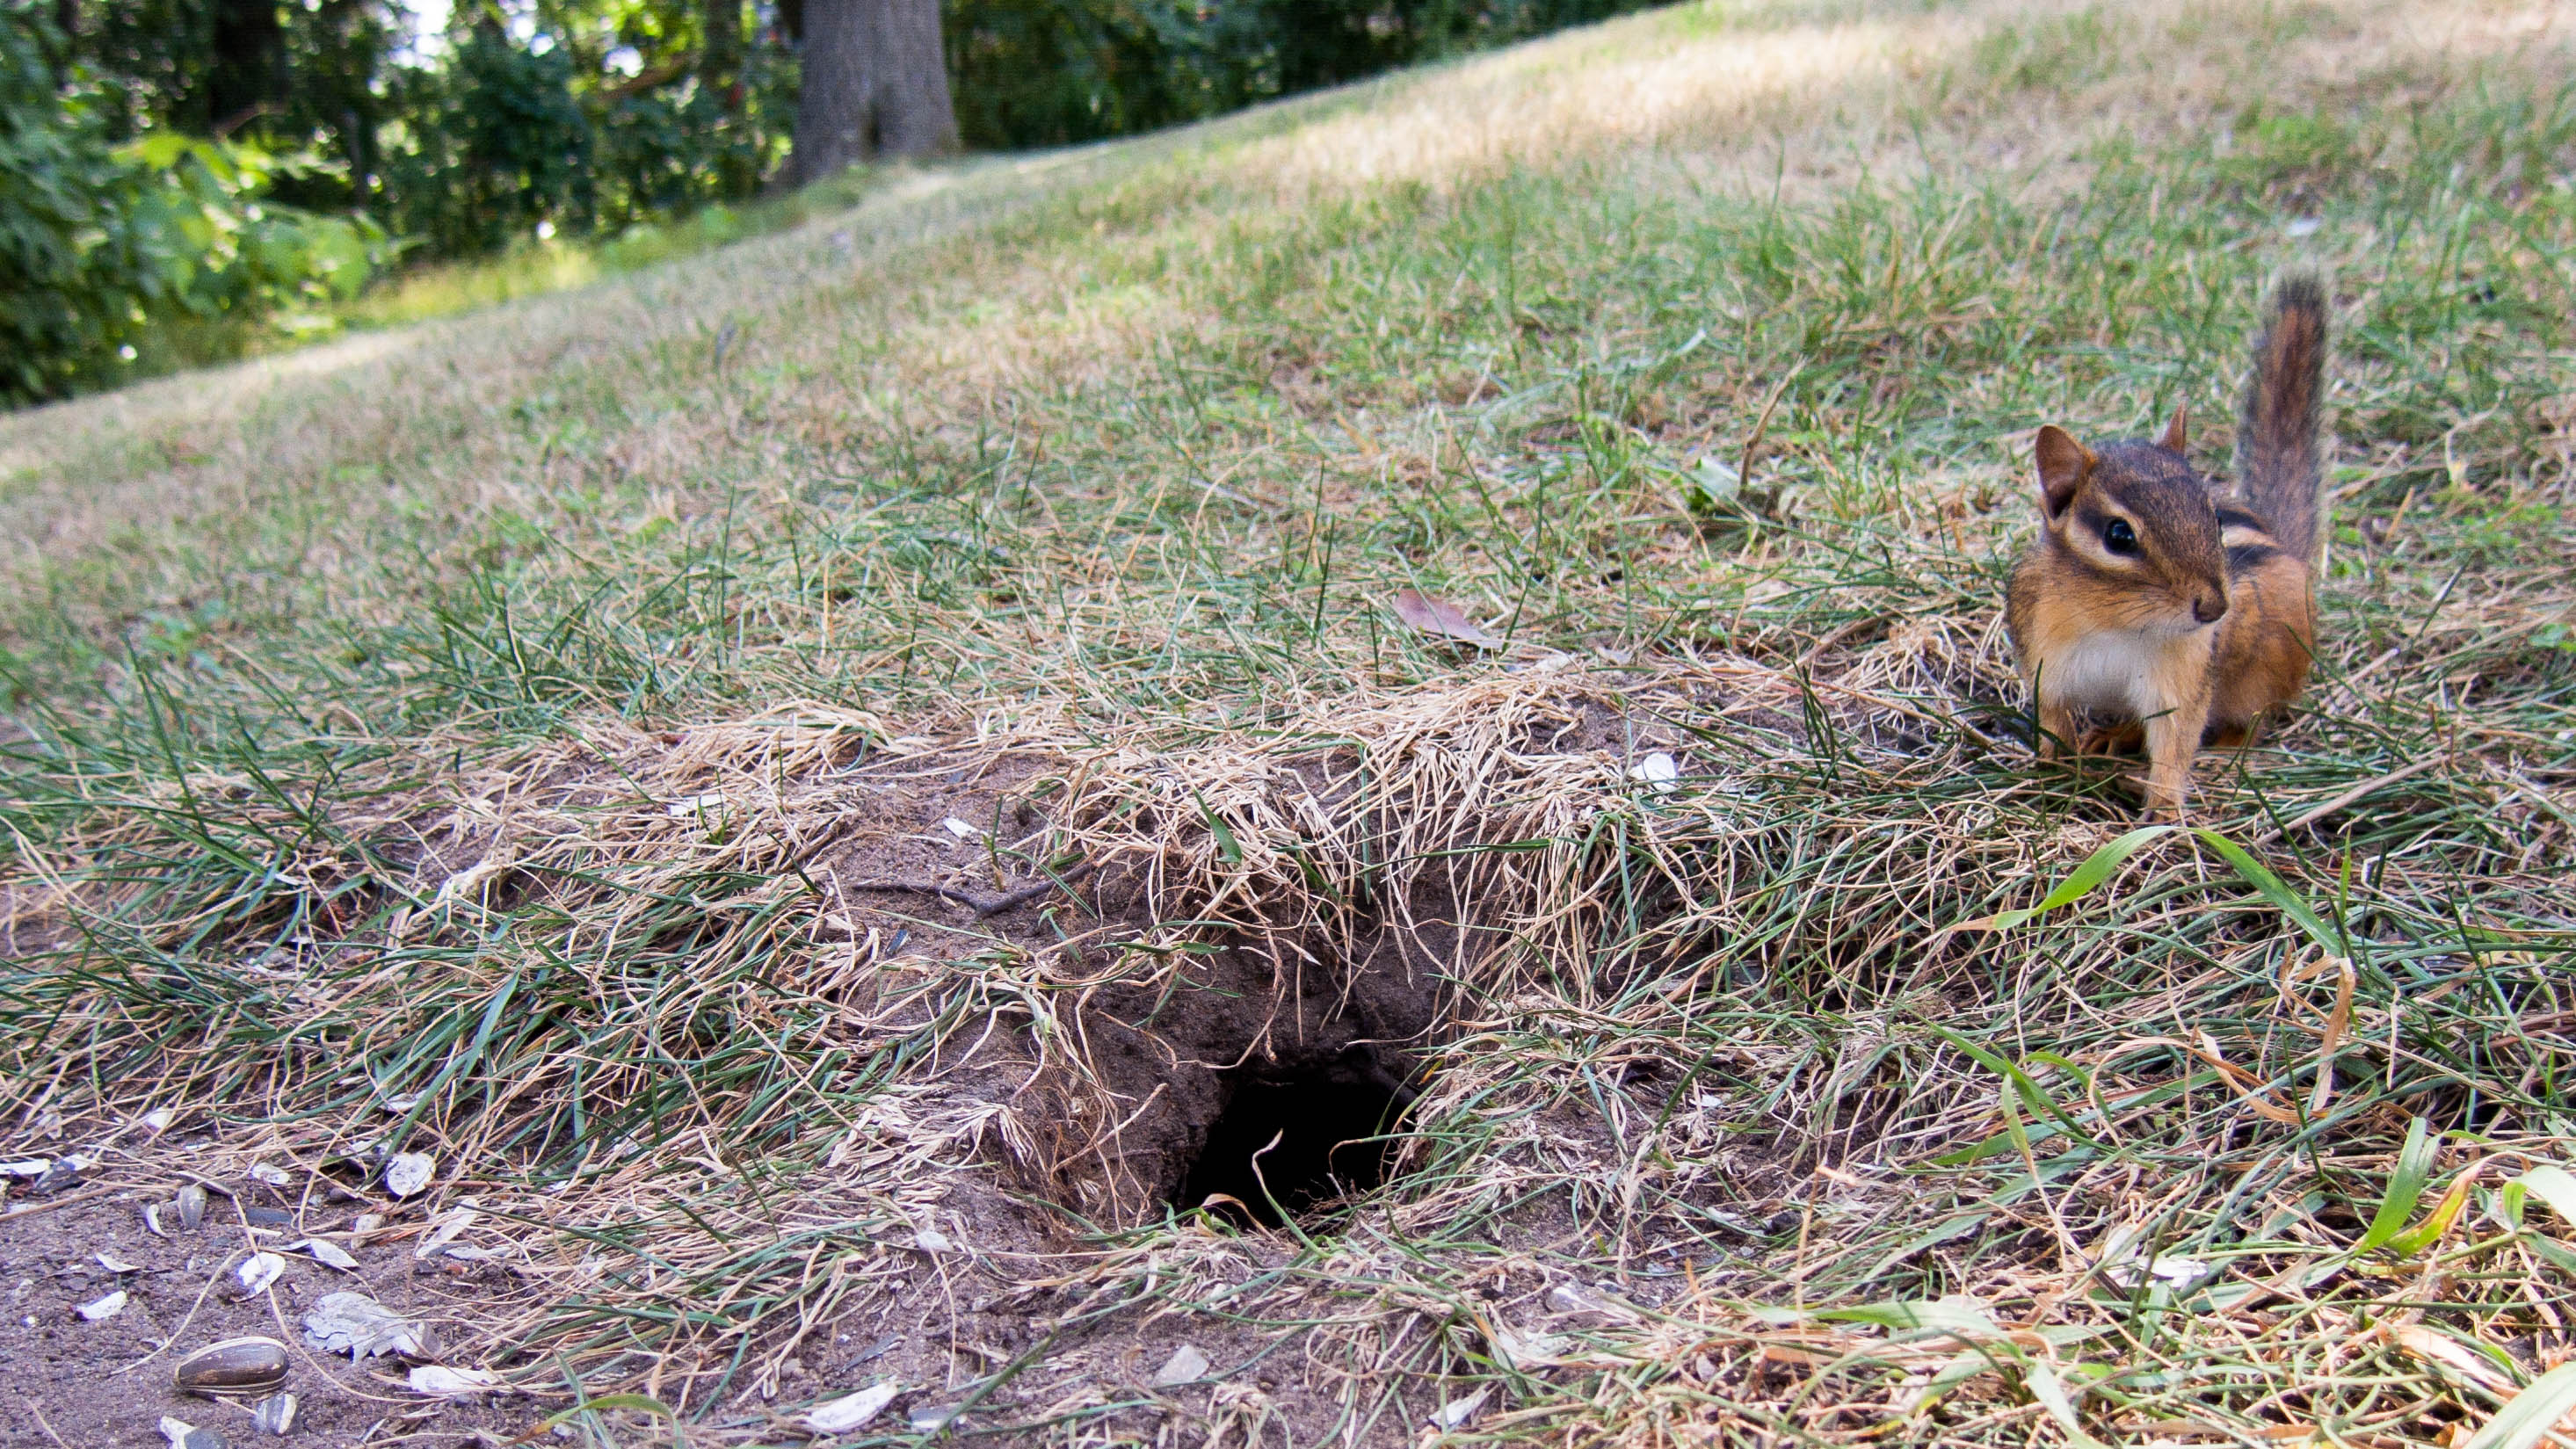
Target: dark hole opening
[[1323, 1115]]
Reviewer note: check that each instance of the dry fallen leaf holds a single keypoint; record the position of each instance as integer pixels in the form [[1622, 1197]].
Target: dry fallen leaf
[[359, 1326], [1438, 617], [2442, 1352]]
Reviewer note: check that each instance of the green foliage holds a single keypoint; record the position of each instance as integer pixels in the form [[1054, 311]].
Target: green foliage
[[132, 248], [1052, 72], [665, 152], [100, 242], [1128, 444], [67, 269], [490, 146], [507, 137], [1070, 70]]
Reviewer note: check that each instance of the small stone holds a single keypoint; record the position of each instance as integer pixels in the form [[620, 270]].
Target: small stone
[[184, 1435], [925, 1417], [235, 1366], [105, 1308], [1186, 1365]]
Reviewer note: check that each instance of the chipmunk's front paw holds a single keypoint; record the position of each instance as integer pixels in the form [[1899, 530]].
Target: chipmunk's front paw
[[2158, 804], [2112, 740]]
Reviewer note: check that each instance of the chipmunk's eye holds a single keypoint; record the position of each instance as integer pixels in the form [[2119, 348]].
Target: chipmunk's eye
[[2118, 537]]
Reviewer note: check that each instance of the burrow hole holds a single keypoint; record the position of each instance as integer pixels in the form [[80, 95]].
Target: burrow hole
[[1294, 1138]]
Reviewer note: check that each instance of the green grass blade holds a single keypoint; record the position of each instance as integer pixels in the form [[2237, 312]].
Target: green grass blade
[[2528, 1416], [2095, 869]]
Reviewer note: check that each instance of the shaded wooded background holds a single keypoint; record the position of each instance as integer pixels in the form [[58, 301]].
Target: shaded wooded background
[[172, 171]]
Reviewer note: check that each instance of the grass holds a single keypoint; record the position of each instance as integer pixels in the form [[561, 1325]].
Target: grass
[[547, 265], [360, 697]]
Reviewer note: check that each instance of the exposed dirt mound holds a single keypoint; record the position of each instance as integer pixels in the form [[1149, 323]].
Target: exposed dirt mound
[[1409, 1056]]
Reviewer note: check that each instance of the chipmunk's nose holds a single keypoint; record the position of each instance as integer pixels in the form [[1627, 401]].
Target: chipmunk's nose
[[2209, 608]]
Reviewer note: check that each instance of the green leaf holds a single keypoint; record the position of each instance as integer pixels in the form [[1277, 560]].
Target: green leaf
[[2096, 869], [2405, 1188], [1957, 1315], [1228, 848], [2529, 1415], [2552, 1185], [637, 1402], [2275, 890], [2031, 1092], [2051, 1392]]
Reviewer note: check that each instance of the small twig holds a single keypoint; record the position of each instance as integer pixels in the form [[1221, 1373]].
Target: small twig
[[916, 887], [1762, 426], [41, 1424], [980, 905], [211, 1280], [2357, 792], [30, 1209], [1855, 626]]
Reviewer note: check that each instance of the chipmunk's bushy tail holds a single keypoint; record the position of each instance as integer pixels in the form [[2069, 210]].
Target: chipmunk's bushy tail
[[2280, 455]]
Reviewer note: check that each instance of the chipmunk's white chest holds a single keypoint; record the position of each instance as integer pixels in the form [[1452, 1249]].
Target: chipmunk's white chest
[[2113, 671]]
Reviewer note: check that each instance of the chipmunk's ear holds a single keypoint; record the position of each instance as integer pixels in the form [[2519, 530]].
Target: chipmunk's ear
[[2175, 431], [2063, 465]]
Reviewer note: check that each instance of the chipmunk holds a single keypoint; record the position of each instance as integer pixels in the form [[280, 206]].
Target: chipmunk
[[2151, 596]]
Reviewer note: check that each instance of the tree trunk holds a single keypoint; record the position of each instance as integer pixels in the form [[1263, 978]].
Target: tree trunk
[[876, 83], [720, 62], [248, 77]]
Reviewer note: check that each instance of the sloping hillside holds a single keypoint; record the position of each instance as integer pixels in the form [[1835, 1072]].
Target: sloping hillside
[[870, 808]]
